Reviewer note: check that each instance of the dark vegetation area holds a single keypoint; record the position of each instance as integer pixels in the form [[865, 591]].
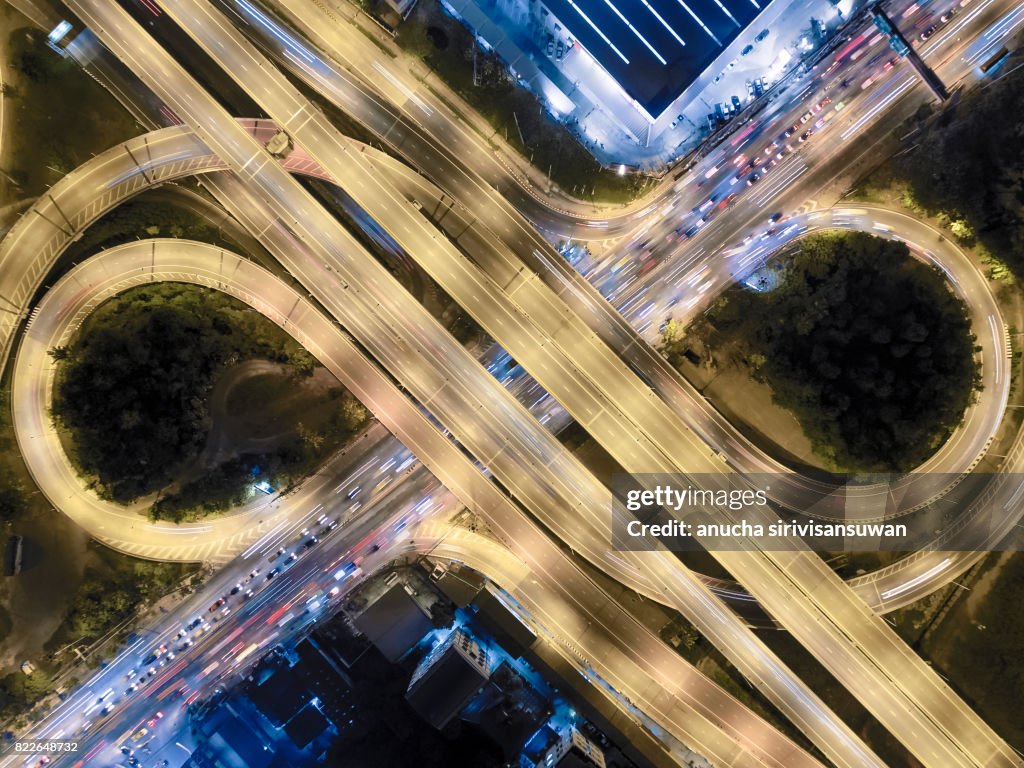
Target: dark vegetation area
[[62, 115], [133, 386], [968, 168], [141, 218], [114, 589], [981, 651], [866, 346], [447, 47]]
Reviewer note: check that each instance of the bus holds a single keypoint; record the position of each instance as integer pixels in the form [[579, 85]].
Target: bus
[[995, 60]]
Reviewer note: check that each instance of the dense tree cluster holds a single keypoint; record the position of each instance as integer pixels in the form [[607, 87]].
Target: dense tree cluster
[[133, 384], [969, 165], [865, 345]]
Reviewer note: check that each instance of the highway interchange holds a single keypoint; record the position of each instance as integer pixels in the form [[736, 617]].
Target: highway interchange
[[230, 144]]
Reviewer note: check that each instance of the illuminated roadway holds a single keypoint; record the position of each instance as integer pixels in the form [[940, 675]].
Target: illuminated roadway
[[602, 637], [457, 159], [798, 588], [174, 152], [349, 275], [222, 153]]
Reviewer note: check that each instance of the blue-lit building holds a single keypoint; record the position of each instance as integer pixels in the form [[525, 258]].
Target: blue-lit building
[[654, 48], [640, 62]]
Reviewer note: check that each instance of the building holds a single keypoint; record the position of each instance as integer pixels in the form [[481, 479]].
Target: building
[[544, 749], [639, 62], [226, 740], [448, 677], [588, 747], [280, 696], [394, 623], [306, 726]]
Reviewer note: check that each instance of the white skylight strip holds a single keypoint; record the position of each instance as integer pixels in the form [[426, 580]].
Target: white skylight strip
[[754, 3], [726, 12], [634, 30], [597, 29], [697, 19], [663, 22]]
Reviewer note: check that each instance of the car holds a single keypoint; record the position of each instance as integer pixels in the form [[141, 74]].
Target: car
[[195, 622], [311, 542], [806, 116], [775, 217], [248, 594], [170, 656], [927, 33], [149, 659], [217, 604], [753, 178], [131, 673], [154, 719], [226, 610], [746, 49], [186, 644], [280, 552], [291, 558], [126, 750], [273, 573], [181, 633], [804, 136], [254, 573], [139, 735], [236, 589], [131, 689], [150, 672]]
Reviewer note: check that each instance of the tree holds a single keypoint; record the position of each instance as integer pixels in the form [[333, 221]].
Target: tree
[[868, 347], [12, 504]]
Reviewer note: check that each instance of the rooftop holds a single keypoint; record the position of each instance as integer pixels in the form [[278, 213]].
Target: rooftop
[[655, 48]]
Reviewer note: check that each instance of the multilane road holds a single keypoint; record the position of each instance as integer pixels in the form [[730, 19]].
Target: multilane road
[[599, 633], [797, 588], [470, 392]]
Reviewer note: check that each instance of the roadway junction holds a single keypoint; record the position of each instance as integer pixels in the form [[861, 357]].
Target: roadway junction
[[320, 254]]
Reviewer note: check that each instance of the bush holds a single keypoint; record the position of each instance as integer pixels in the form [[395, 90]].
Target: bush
[[969, 165], [133, 383], [868, 347]]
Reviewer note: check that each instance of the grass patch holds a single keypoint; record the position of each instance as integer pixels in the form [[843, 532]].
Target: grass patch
[[140, 218], [867, 347], [983, 656], [132, 385], [6, 623], [62, 115], [321, 427], [116, 588], [966, 169]]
